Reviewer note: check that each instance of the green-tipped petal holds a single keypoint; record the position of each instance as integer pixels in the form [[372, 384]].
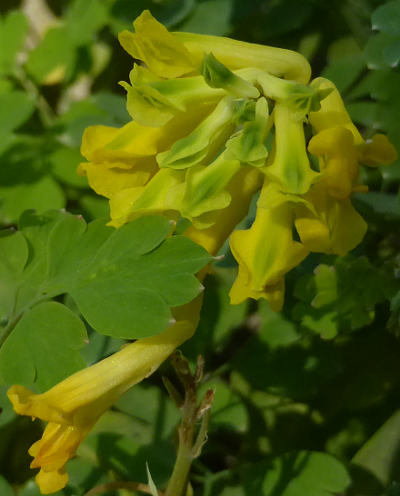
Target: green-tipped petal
[[217, 75], [195, 147], [154, 103], [300, 98], [291, 167], [248, 145], [156, 197], [160, 50], [205, 187]]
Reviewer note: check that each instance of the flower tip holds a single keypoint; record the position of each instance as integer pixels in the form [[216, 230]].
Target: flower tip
[[51, 482], [20, 398]]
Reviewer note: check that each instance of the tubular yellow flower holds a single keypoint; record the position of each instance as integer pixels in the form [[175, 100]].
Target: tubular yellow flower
[[172, 55], [265, 253], [73, 406], [239, 54], [290, 167]]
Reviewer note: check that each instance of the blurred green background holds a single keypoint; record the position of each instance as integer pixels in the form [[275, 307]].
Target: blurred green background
[[305, 400]]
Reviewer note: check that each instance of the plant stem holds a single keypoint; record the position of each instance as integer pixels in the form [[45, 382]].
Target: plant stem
[[179, 478], [190, 441]]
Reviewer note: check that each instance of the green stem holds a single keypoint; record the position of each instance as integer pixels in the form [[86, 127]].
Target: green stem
[[190, 443], [179, 478]]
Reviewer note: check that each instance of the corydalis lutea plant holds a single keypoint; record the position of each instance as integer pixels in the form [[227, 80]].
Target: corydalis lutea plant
[[214, 121], [207, 111]]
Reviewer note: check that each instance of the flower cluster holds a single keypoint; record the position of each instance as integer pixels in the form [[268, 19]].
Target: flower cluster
[[214, 120], [212, 115]]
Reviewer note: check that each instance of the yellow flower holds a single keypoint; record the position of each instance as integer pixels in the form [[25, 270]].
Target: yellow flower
[[162, 53], [266, 252], [333, 112], [73, 406], [326, 224], [373, 152], [242, 188], [338, 162], [290, 167], [377, 151], [176, 54]]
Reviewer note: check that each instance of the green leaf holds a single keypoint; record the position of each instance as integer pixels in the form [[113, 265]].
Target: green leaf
[[40, 195], [365, 113], [13, 30], [342, 297], [43, 347], [13, 257], [153, 410], [379, 205], [280, 18], [299, 474], [7, 413], [276, 330], [123, 281], [83, 19], [210, 17], [168, 13], [82, 114], [83, 475], [64, 162], [94, 207], [137, 304], [374, 50], [380, 454], [5, 488], [391, 54], [53, 59], [344, 72], [386, 18], [15, 108]]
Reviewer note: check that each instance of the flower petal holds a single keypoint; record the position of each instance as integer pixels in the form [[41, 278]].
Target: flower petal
[[161, 51]]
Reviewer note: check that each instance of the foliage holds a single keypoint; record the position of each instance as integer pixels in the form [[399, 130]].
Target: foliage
[[306, 401]]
